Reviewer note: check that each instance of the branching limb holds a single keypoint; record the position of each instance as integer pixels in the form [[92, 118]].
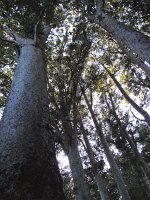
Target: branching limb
[[18, 40], [99, 5], [11, 32], [99, 8], [81, 141], [47, 29], [37, 25], [35, 32], [136, 116], [8, 41]]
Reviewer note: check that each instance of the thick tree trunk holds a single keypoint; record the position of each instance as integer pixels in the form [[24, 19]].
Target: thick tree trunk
[[132, 39], [28, 167], [99, 180], [71, 149], [138, 108], [115, 170], [136, 60]]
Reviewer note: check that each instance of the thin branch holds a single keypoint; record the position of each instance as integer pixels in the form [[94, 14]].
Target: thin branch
[[18, 40], [10, 31], [8, 41], [35, 31], [135, 116], [83, 144], [99, 9], [46, 31], [37, 25], [127, 97], [100, 5]]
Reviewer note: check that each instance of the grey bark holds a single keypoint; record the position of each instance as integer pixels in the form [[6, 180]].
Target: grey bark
[[138, 108], [99, 180], [115, 169], [68, 141], [28, 167], [138, 42], [80, 185], [136, 60], [71, 149]]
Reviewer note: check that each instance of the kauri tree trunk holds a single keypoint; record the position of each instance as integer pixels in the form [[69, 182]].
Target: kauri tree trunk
[[132, 39], [28, 166], [135, 42]]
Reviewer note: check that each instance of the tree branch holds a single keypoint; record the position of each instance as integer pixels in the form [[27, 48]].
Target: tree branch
[[10, 31], [135, 116], [18, 40], [99, 8], [8, 41], [37, 24], [46, 31], [127, 97]]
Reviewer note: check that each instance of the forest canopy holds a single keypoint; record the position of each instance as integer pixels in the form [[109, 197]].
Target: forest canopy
[[87, 90]]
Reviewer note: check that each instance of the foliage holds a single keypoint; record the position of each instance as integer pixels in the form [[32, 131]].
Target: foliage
[[76, 53]]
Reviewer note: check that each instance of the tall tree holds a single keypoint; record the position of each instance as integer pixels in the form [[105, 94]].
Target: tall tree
[[28, 166], [63, 89], [99, 180], [115, 170], [140, 161], [132, 42], [133, 103], [83, 41]]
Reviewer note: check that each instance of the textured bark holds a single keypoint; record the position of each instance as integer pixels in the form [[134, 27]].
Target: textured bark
[[127, 36], [99, 180], [71, 148], [115, 170], [136, 60], [138, 108], [28, 167]]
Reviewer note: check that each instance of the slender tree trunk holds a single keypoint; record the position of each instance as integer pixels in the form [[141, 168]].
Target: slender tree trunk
[[138, 108], [28, 166], [132, 39], [143, 167], [115, 170], [99, 180], [81, 188], [71, 149]]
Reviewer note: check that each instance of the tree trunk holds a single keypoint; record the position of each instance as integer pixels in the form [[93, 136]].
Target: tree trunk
[[136, 60], [132, 39], [81, 188], [143, 167], [115, 170], [71, 149], [28, 166], [135, 106], [99, 180]]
